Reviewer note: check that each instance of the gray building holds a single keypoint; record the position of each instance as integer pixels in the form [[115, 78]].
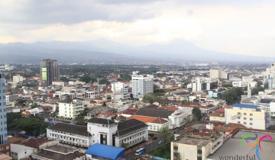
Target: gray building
[[49, 71], [3, 118]]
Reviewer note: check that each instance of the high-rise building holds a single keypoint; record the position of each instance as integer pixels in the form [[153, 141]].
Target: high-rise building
[[217, 74], [270, 76], [49, 71], [141, 85], [3, 118]]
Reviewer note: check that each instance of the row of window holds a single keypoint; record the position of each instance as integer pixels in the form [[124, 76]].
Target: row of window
[[251, 119], [239, 113], [139, 135], [67, 138], [245, 123]]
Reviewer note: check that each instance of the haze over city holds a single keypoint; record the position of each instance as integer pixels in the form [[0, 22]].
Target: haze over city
[[137, 80], [168, 30]]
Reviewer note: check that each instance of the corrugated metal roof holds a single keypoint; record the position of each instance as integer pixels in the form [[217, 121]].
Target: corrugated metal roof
[[105, 151]]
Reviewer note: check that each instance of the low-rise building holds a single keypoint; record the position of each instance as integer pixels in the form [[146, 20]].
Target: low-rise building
[[25, 148], [251, 116], [58, 152], [103, 131], [154, 124], [75, 135], [196, 147]]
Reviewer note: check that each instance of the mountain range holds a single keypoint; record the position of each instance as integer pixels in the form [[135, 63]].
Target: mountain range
[[105, 52]]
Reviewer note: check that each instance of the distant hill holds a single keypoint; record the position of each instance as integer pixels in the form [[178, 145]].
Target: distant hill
[[105, 52]]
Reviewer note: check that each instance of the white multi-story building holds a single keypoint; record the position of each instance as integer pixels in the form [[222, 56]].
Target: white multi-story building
[[203, 84], [120, 91], [142, 85], [269, 75], [3, 118], [103, 131], [195, 147], [272, 109], [248, 115], [217, 74], [16, 79], [75, 135], [91, 94], [70, 109], [126, 133], [196, 85]]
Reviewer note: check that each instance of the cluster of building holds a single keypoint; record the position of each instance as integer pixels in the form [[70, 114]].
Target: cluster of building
[[87, 119]]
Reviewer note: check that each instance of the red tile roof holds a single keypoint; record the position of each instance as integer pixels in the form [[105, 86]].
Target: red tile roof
[[147, 119]]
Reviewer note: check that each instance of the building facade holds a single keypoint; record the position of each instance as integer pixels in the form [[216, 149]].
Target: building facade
[[74, 135], [71, 109], [49, 71], [247, 115], [195, 147], [120, 91], [101, 131], [3, 118], [142, 85], [217, 74]]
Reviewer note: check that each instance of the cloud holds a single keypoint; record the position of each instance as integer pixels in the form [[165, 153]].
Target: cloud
[[70, 11], [227, 26]]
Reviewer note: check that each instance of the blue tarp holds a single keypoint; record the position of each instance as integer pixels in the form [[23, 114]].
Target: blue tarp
[[105, 151]]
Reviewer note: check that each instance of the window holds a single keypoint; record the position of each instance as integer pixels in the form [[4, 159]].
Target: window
[[175, 147]]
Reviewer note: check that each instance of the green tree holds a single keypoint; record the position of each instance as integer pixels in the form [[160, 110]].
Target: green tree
[[124, 77], [164, 150], [167, 135], [80, 119], [34, 126], [232, 95], [151, 98], [196, 113], [86, 79], [257, 89]]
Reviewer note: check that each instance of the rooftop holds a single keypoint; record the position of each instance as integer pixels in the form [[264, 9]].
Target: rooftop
[[128, 126], [193, 141], [154, 112], [61, 149], [146, 119], [58, 152], [34, 142], [104, 151], [101, 121], [70, 128], [242, 105]]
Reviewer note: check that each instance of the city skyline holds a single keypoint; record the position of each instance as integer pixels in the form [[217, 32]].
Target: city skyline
[[237, 27]]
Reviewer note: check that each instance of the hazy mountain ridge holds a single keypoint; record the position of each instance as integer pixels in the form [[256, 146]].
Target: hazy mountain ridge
[[104, 52]]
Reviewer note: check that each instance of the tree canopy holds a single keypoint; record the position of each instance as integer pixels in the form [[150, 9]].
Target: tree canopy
[[34, 126], [196, 113], [232, 95]]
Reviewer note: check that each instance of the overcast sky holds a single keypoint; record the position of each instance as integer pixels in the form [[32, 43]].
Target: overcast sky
[[233, 26]]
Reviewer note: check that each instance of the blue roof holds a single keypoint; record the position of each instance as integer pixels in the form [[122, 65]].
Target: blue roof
[[105, 151], [242, 105]]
